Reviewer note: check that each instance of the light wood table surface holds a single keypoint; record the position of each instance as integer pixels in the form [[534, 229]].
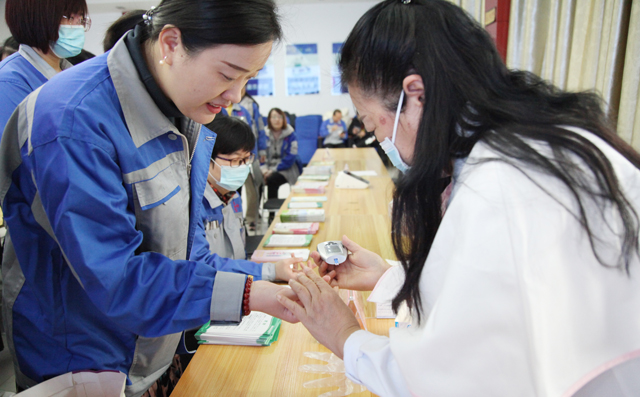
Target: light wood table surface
[[274, 370]]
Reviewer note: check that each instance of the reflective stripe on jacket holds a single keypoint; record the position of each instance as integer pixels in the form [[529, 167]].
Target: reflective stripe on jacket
[[102, 196]]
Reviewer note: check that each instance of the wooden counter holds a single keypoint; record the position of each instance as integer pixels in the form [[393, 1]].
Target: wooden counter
[[273, 371]]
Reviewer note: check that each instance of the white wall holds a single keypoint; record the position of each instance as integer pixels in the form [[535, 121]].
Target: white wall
[[322, 23]]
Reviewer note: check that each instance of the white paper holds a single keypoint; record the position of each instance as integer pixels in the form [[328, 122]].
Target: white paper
[[304, 204], [287, 240], [306, 199]]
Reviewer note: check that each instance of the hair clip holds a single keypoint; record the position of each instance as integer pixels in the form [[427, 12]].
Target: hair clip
[[147, 16]]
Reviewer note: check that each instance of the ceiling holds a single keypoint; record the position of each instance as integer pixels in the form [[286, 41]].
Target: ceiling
[[96, 6]]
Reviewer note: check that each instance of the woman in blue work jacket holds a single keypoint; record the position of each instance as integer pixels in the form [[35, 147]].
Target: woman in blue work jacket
[[48, 32], [102, 173], [231, 160], [282, 164]]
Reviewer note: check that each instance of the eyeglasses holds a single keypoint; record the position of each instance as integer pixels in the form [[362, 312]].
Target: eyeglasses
[[76, 20], [238, 162]]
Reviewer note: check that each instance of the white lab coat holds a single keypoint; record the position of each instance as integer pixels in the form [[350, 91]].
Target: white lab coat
[[517, 303]]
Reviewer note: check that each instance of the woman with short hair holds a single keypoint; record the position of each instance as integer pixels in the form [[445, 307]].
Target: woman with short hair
[[47, 32], [282, 162]]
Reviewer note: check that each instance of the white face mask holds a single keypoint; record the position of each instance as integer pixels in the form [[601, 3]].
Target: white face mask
[[389, 146]]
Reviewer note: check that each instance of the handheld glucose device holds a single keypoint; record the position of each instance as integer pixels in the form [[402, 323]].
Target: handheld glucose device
[[332, 252]]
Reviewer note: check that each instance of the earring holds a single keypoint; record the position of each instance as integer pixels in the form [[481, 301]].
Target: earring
[[163, 60]]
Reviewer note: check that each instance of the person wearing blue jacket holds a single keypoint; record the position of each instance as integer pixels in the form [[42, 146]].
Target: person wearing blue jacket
[[102, 174], [47, 33], [255, 181], [282, 162], [334, 131], [231, 160]]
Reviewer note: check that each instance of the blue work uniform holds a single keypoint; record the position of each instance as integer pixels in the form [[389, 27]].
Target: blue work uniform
[[282, 154], [225, 234], [103, 198], [333, 137], [20, 74]]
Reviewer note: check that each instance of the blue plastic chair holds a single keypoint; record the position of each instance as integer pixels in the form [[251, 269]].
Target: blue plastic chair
[[307, 129]]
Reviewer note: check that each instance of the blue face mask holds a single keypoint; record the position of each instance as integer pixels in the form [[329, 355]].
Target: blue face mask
[[389, 146], [231, 178], [70, 41]]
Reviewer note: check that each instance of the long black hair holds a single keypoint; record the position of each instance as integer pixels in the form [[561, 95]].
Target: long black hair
[[468, 88], [206, 23]]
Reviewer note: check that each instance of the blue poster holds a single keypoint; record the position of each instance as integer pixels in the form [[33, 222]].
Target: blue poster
[[337, 88], [302, 69], [263, 84]]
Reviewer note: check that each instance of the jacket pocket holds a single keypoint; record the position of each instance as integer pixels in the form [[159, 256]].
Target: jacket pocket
[[162, 211]]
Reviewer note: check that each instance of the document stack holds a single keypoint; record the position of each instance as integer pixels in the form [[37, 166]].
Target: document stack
[[305, 204], [329, 163], [256, 329], [310, 187], [296, 228], [263, 256], [283, 240], [318, 170], [310, 177], [296, 199], [302, 216]]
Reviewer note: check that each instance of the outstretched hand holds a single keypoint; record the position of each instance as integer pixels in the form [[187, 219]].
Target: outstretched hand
[[287, 268], [263, 299], [361, 271], [320, 309]]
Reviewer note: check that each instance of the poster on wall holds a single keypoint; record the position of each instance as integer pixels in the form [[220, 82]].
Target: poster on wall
[[263, 84], [302, 69], [337, 88]]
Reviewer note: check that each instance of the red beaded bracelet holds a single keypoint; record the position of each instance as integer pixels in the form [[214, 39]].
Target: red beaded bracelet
[[246, 309]]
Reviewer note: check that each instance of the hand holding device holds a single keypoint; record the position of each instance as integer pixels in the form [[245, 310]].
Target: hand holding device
[[333, 252], [360, 271]]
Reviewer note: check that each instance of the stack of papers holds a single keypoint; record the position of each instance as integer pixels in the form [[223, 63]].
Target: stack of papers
[[302, 216], [256, 329], [309, 187], [305, 204], [322, 163], [290, 240], [318, 170], [296, 228], [309, 198], [310, 177], [263, 256]]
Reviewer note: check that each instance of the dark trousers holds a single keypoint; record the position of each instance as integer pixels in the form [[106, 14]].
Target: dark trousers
[[274, 181], [335, 145]]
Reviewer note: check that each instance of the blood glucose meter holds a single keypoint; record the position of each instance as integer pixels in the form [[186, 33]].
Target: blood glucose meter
[[333, 252]]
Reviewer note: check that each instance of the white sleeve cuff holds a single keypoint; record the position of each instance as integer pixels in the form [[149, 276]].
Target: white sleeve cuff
[[368, 360]]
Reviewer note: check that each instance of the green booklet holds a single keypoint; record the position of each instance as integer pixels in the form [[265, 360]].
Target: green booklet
[[256, 329]]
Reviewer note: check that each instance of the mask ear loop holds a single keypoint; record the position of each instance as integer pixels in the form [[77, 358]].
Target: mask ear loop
[[395, 123]]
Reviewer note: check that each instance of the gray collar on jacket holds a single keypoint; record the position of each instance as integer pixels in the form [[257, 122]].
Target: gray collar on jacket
[[40, 64], [144, 120], [212, 197]]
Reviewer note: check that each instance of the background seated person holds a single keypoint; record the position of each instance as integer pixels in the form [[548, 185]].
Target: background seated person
[[222, 206], [334, 131], [282, 165]]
